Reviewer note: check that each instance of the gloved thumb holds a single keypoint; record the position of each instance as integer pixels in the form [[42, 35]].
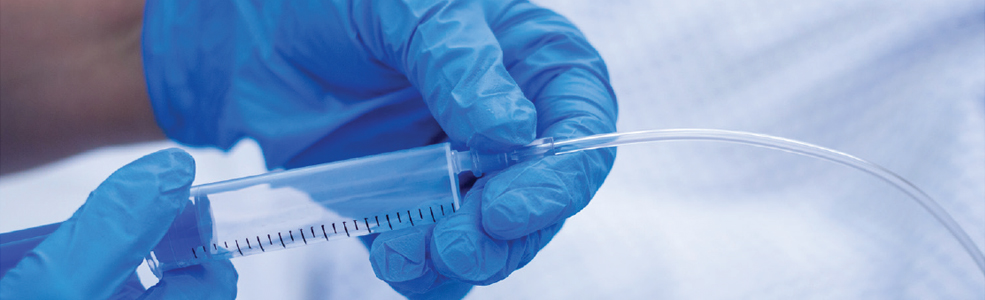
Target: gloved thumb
[[209, 280], [448, 51], [95, 250]]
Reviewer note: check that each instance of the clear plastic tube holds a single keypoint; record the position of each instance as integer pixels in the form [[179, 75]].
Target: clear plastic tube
[[772, 142]]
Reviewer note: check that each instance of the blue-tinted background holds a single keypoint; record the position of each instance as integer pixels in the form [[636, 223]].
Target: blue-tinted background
[[899, 83]]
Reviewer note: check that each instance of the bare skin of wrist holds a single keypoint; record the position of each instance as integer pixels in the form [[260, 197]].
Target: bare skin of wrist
[[71, 79]]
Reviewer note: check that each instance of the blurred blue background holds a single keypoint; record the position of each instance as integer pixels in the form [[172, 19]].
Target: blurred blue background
[[898, 83]]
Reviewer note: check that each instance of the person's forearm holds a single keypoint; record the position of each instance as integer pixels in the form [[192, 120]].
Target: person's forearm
[[71, 79]]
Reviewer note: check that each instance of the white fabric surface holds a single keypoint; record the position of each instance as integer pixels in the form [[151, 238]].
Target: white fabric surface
[[899, 83]]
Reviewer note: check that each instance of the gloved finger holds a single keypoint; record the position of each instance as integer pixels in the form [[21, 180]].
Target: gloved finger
[[401, 259], [210, 280], [447, 50], [95, 250], [461, 250], [567, 79], [529, 197]]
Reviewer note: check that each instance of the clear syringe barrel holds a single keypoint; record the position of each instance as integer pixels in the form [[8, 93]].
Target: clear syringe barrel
[[293, 208]]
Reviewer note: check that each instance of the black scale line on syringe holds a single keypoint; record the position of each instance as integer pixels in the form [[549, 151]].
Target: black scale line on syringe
[[369, 230]]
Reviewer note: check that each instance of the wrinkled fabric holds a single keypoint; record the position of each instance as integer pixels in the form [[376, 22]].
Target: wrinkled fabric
[[316, 81], [94, 254]]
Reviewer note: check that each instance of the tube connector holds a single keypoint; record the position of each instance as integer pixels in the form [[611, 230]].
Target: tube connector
[[481, 163]]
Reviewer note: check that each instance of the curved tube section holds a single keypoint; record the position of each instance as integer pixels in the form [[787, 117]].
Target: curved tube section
[[772, 142]]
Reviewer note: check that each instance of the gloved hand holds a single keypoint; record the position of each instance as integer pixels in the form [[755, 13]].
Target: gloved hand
[[94, 253], [315, 81]]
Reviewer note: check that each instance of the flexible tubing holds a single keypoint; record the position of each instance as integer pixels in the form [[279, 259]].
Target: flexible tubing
[[772, 142]]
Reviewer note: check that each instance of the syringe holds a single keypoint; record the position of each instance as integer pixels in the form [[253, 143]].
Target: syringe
[[397, 190], [416, 187], [287, 209]]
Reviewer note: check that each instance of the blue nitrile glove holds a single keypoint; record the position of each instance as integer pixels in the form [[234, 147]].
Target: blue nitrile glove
[[316, 81], [94, 254]]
